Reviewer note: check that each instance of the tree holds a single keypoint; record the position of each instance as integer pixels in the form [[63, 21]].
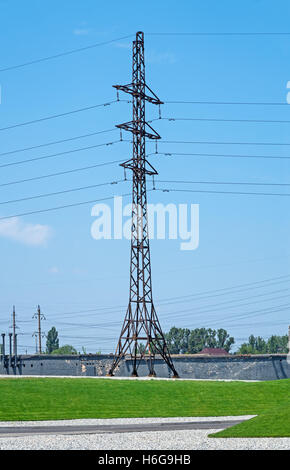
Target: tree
[[197, 340], [278, 344], [224, 340], [177, 340], [67, 349], [185, 341], [52, 342], [257, 345]]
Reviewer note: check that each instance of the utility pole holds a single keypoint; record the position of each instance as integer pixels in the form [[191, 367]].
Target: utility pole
[[39, 334], [14, 327], [10, 349], [3, 346], [35, 335], [14, 330], [141, 322]]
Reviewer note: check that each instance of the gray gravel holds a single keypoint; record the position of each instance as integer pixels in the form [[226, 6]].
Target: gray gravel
[[165, 440], [121, 421], [155, 440]]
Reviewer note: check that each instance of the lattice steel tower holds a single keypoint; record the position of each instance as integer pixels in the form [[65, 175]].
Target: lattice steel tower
[[141, 324]]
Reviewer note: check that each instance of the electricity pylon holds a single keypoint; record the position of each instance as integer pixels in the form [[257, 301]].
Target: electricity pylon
[[39, 335], [141, 323]]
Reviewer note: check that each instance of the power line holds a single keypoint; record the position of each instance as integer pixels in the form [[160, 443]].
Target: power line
[[167, 190], [88, 337], [260, 312], [233, 323], [231, 320], [225, 120], [232, 290], [54, 116], [158, 181], [220, 34], [112, 310], [61, 207], [34, 178], [232, 301], [114, 129], [90, 325], [20, 162], [60, 192], [169, 154], [226, 265], [229, 103], [205, 309], [258, 324], [223, 182], [241, 316], [57, 142], [62, 54], [236, 304], [220, 306], [219, 143], [247, 286], [94, 311]]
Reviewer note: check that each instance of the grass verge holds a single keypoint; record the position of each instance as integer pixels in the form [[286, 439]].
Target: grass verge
[[273, 423]]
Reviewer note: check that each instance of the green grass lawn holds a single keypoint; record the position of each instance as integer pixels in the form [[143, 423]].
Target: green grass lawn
[[49, 398], [272, 423]]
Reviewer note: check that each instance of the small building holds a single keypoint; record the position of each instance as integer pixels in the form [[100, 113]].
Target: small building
[[214, 352]]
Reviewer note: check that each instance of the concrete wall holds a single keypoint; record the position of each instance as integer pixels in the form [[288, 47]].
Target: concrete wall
[[77, 365], [258, 367]]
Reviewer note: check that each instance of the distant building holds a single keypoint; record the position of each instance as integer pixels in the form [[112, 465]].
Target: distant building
[[214, 352]]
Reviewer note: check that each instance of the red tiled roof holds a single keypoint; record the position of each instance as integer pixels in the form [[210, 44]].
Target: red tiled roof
[[214, 351]]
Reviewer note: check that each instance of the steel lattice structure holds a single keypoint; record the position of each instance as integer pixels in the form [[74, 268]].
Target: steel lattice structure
[[141, 323]]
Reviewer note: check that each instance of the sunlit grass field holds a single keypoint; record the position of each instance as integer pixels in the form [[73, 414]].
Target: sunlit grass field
[[23, 399]]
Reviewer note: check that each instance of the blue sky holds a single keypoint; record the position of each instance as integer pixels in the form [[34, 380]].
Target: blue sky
[[51, 259]]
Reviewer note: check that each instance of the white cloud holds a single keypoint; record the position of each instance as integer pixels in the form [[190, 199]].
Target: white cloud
[[29, 234]]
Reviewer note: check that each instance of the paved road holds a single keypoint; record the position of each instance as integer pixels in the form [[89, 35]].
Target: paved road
[[113, 428]]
